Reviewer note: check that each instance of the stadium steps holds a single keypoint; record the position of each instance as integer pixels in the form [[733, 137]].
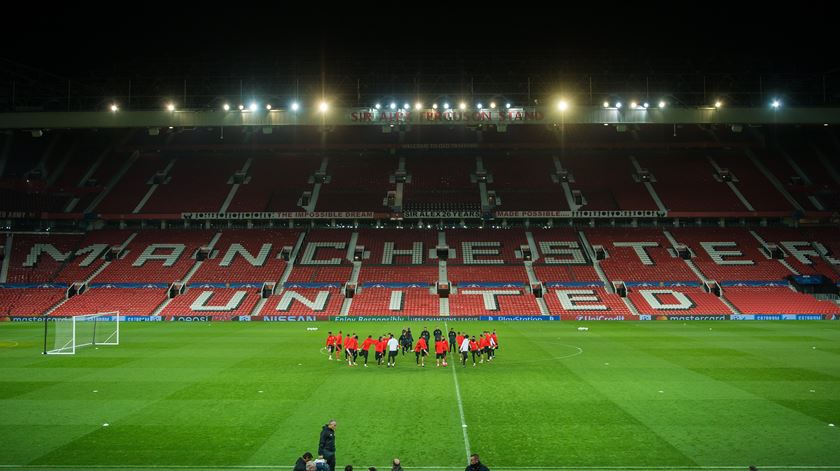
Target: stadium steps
[[354, 278], [826, 163], [92, 170], [482, 186], [153, 188], [591, 254], [113, 182], [398, 191], [444, 307], [781, 261], [648, 186], [62, 164], [567, 190], [7, 256], [731, 185], [4, 154], [196, 266], [689, 263], [56, 306], [106, 264], [316, 187], [285, 276], [235, 187], [773, 180]]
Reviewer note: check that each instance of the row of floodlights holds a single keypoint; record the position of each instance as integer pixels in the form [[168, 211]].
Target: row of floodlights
[[562, 105]]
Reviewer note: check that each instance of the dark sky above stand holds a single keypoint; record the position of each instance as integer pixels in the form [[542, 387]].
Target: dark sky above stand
[[125, 39]]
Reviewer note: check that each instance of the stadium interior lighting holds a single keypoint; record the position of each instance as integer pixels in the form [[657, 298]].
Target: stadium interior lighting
[[114, 107], [241, 107], [646, 105], [393, 106], [606, 104], [446, 106], [479, 106], [661, 104], [718, 104], [405, 106], [434, 106], [323, 106], [462, 106], [633, 105], [418, 106], [253, 106], [295, 106], [776, 103], [507, 105], [493, 105], [226, 107], [618, 104], [563, 105], [170, 107], [268, 107], [378, 106]]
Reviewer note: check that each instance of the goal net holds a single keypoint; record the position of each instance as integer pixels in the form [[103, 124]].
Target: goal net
[[63, 335]]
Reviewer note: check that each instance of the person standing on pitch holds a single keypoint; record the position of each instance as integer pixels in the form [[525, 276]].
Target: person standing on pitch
[[425, 335], [440, 351], [475, 464], [366, 347], [409, 340], [326, 444], [453, 347], [421, 350], [393, 348], [474, 349], [330, 344], [464, 348], [351, 346], [437, 333], [402, 341]]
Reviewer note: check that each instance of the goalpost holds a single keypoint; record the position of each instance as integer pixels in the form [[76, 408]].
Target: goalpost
[[70, 333]]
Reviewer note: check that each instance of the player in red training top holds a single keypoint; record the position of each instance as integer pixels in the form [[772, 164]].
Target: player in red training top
[[351, 345], [440, 351], [421, 350], [330, 344], [366, 347]]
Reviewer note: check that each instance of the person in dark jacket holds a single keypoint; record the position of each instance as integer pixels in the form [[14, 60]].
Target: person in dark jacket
[[326, 445], [426, 335], [475, 464], [301, 462], [438, 334], [452, 336]]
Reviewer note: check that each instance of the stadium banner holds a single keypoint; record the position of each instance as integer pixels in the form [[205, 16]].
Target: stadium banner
[[721, 317], [191, 318], [582, 214], [241, 318], [661, 284], [34, 285], [129, 285], [748, 283], [572, 284], [778, 317], [593, 317], [378, 284], [386, 318], [289, 318], [441, 214], [207, 285], [40, 318], [518, 318], [296, 284], [378, 117], [280, 215]]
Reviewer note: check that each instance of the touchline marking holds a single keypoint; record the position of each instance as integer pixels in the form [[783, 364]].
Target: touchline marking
[[263, 466], [458, 395]]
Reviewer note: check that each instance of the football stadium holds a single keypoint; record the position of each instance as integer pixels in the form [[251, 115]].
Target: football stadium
[[593, 271]]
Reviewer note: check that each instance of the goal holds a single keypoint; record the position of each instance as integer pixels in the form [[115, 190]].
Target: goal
[[63, 335]]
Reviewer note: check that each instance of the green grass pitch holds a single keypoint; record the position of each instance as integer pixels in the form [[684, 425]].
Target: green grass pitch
[[635, 395]]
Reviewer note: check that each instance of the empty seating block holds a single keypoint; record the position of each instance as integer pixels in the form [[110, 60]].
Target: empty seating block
[[28, 302], [395, 302], [156, 257], [673, 300], [585, 304], [127, 301], [220, 303], [493, 302], [639, 255], [777, 300], [304, 302], [247, 256]]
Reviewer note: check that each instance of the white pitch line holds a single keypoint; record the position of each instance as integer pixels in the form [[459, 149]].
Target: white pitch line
[[261, 466], [458, 395]]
